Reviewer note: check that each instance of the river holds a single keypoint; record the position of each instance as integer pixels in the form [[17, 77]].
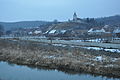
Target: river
[[18, 72]]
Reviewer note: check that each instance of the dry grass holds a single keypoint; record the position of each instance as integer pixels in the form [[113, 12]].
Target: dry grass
[[41, 54]]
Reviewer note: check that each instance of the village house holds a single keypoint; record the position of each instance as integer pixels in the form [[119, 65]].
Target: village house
[[57, 32], [96, 31], [117, 32]]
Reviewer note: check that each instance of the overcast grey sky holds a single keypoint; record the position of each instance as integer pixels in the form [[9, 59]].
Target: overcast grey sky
[[48, 10]]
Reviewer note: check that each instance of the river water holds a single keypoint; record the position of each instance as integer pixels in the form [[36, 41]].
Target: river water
[[17, 72]]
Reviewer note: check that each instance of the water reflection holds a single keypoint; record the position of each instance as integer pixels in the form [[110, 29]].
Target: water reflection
[[10, 71]]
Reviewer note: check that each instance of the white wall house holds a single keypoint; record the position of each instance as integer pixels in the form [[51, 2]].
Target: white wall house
[[57, 31], [117, 32], [96, 31], [37, 31]]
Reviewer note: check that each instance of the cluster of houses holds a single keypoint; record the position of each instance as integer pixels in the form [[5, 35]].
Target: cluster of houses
[[27, 32], [98, 32]]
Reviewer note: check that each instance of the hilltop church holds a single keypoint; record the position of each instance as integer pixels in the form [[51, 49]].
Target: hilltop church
[[76, 19]]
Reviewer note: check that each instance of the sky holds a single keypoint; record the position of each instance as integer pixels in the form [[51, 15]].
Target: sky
[[62, 10]]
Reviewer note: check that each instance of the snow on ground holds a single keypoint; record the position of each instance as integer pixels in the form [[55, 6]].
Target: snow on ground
[[76, 40], [95, 48], [99, 58], [59, 45], [109, 65], [15, 40], [53, 57], [38, 38], [116, 38], [113, 50], [114, 59], [93, 40], [98, 48], [90, 48]]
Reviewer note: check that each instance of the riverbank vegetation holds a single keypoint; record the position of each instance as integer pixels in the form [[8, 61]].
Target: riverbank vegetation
[[56, 57]]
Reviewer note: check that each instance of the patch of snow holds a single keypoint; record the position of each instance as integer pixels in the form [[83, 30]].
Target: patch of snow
[[49, 57], [109, 65], [98, 48], [116, 38], [56, 70], [42, 37], [98, 58], [59, 45], [95, 48], [114, 59], [37, 32], [113, 50], [14, 40], [52, 31], [91, 30], [29, 32], [93, 64], [94, 40], [96, 31], [76, 40], [62, 31], [46, 32]]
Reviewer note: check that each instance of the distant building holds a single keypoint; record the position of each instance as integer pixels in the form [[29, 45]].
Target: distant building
[[37, 31], [96, 31], [57, 31], [75, 18], [52, 32]]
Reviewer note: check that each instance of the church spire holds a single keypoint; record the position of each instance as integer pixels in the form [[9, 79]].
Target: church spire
[[74, 16]]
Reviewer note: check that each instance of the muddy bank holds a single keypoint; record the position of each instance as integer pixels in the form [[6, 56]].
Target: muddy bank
[[62, 58]]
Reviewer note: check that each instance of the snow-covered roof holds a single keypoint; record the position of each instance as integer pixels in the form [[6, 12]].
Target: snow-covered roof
[[37, 31], [52, 31], [29, 32], [116, 31], [46, 32], [102, 30], [63, 31], [98, 31], [91, 30], [106, 26]]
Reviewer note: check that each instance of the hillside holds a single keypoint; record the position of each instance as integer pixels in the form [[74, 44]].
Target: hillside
[[70, 26], [111, 20], [22, 24]]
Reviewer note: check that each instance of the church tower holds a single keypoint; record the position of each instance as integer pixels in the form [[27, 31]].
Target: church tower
[[74, 16]]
